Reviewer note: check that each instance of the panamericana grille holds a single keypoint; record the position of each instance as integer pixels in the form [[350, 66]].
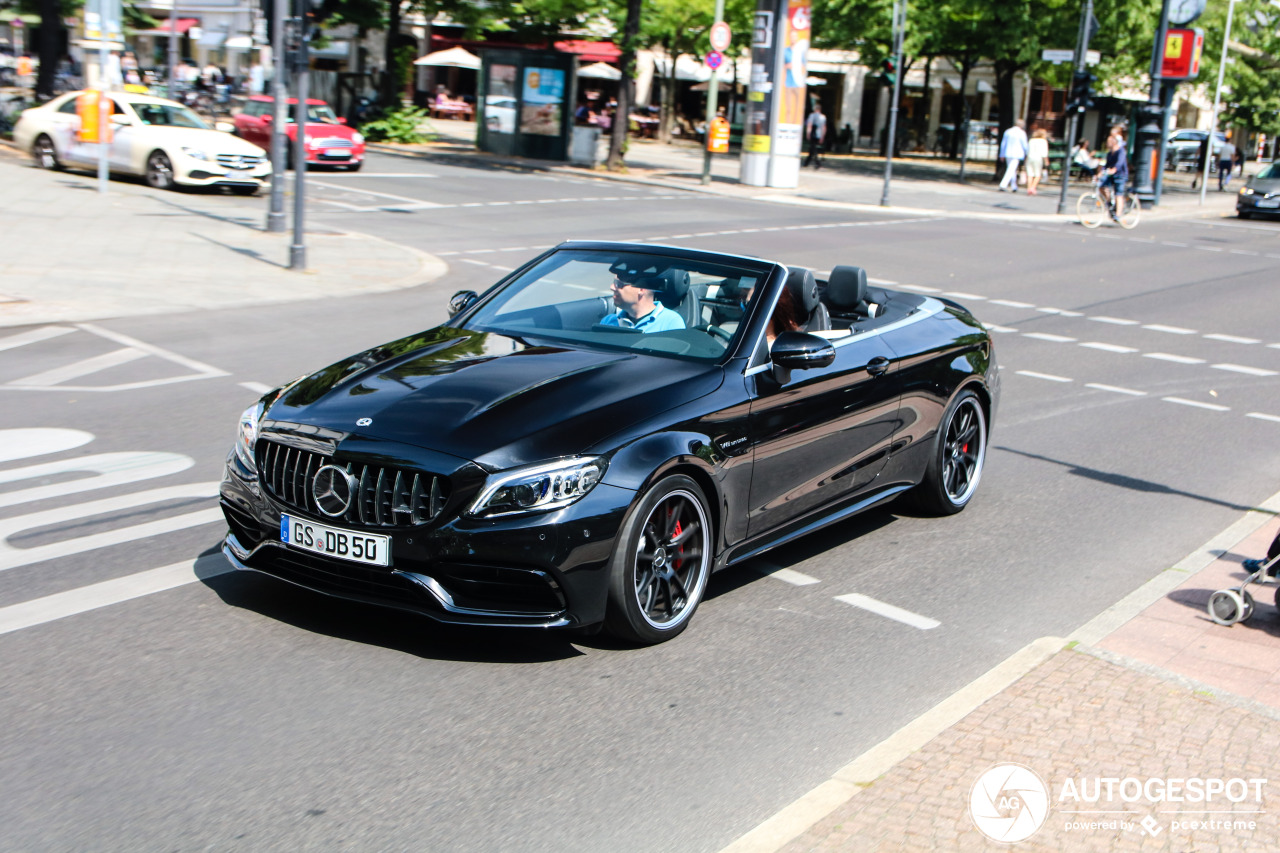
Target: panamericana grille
[[239, 161], [386, 496]]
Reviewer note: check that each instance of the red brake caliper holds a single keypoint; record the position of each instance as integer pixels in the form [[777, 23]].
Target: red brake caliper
[[679, 550]]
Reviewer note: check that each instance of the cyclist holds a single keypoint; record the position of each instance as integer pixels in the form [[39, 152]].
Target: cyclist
[[1115, 174]]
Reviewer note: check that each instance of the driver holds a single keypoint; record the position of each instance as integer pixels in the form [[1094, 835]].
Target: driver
[[638, 307]]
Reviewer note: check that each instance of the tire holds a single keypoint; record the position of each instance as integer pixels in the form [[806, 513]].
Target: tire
[[160, 171], [659, 569], [355, 167], [250, 191], [1243, 214], [955, 465], [1092, 210], [1132, 212], [44, 152], [1226, 607]]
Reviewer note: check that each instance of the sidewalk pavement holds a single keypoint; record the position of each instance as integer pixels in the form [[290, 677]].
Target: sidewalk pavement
[[1150, 689]]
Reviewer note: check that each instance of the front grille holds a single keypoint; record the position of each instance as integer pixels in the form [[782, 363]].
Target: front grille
[[239, 161], [333, 142], [385, 497]]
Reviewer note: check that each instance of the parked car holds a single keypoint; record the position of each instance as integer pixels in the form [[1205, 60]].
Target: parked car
[[534, 462], [158, 139], [1261, 194], [1182, 149], [329, 142]]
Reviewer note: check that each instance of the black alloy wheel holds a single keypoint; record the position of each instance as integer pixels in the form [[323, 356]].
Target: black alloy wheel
[[160, 171], [662, 562], [46, 155], [955, 468]]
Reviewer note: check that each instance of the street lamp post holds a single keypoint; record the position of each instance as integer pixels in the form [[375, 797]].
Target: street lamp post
[[713, 93], [173, 51], [1082, 53], [899, 27], [1217, 102], [1148, 150]]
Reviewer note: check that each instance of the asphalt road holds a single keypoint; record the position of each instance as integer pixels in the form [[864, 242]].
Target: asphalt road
[[1140, 416]]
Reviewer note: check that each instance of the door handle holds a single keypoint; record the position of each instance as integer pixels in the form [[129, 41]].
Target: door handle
[[878, 365]]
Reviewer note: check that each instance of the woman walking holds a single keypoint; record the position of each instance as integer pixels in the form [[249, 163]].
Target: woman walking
[[1037, 157]]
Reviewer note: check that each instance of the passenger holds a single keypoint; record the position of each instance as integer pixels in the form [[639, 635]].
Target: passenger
[[638, 308], [786, 315]]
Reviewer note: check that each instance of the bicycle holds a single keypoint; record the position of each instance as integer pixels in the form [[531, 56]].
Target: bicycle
[[1093, 210]]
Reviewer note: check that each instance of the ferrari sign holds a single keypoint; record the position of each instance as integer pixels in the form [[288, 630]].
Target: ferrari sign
[[1181, 58]]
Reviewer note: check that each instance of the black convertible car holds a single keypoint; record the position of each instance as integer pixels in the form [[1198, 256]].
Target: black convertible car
[[588, 440]]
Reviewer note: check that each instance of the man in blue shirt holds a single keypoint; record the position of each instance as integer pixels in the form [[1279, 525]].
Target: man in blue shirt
[[638, 307], [1116, 172]]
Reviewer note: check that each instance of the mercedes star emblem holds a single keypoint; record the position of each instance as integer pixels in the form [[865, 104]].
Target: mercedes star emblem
[[364, 421], [333, 489]]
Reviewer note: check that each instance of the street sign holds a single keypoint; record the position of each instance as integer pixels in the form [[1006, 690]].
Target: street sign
[[721, 35], [1181, 57], [1056, 56], [715, 59]]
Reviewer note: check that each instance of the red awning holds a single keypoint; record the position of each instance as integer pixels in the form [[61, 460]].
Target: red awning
[[184, 24], [591, 51]]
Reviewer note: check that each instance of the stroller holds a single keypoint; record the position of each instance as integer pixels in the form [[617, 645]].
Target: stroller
[[1229, 606]]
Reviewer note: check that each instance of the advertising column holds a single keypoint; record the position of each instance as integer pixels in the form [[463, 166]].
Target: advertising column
[[774, 135]]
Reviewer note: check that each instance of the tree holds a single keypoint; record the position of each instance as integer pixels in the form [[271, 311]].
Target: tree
[[626, 86]]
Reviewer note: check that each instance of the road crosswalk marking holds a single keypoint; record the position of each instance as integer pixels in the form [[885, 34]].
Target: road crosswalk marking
[[84, 367], [32, 336]]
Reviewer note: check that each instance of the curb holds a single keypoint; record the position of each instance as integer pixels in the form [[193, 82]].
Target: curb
[[793, 820]]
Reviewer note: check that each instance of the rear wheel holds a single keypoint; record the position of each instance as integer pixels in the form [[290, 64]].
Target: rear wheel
[[955, 468], [1092, 210], [44, 152], [160, 171], [661, 564]]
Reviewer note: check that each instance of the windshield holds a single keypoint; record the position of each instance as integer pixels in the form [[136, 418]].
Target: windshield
[[637, 301], [322, 114], [1270, 173], [169, 115]]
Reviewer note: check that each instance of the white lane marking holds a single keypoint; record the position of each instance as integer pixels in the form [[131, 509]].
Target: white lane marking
[[60, 605], [918, 288], [1240, 368], [1045, 336], [1108, 347], [11, 557], [482, 251], [1273, 346], [67, 372], [1098, 386], [1011, 303], [1232, 339], [474, 261], [503, 269], [1209, 248], [960, 294], [1260, 416], [381, 175], [915, 620], [790, 576], [880, 281], [44, 333], [1170, 330], [255, 387], [416, 202], [159, 352], [109, 469], [1174, 243], [24, 443], [992, 327], [1115, 321], [1176, 359], [1060, 312], [1213, 407], [1049, 376], [1244, 252]]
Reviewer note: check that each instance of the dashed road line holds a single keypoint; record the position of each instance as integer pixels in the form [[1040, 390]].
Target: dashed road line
[[1232, 339], [1248, 371], [1176, 359], [880, 608], [1115, 389], [255, 387], [790, 576], [1182, 401], [1260, 416], [992, 327], [1010, 303], [1171, 330], [1046, 376], [1116, 348], [1060, 312], [1045, 336], [1114, 321]]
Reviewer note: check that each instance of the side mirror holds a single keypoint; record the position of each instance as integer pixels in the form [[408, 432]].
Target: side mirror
[[799, 351], [464, 299]]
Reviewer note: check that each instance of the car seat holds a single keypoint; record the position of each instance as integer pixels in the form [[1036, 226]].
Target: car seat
[[672, 289], [804, 290], [847, 294]]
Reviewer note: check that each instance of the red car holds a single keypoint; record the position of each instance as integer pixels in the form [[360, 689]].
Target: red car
[[329, 141]]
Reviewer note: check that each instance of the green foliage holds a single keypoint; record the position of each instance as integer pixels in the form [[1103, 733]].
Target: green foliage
[[400, 125]]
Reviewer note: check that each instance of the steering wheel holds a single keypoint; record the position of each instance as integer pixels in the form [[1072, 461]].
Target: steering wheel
[[717, 332]]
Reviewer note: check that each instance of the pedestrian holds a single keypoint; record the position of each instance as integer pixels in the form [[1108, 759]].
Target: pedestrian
[[1013, 150], [1226, 162], [815, 130], [1037, 157], [1201, 154], [1252, 566]]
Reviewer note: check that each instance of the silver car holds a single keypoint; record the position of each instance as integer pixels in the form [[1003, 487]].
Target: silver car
[[1261, 195]]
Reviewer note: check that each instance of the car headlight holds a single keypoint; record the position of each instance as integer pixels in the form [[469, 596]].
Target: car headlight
[[537, 488], [196, 153], [247, 436], [357, 138], [1246, 191], [307, 140]]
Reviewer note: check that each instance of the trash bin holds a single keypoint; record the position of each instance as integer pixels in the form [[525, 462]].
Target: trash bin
[[584, 149]]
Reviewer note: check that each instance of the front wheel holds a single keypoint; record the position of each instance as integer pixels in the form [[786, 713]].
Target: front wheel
[[44, 152], [160, 171], [955, 467], [660, 566], [1132, 212], [1092, 210]]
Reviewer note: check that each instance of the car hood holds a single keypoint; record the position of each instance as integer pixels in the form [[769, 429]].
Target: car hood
[[323, 130], [210, 141], [495, 400], [1264, 185]]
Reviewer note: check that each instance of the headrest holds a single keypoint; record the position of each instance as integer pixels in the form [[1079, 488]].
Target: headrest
[[804, 289], [629, 269], [847, 287], [670, 286]]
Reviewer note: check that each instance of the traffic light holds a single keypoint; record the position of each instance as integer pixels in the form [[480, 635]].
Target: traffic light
[[269, 13], [888, 71], [1081, 96]]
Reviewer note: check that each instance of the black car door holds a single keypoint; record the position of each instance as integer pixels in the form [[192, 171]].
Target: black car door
[[824, 434]]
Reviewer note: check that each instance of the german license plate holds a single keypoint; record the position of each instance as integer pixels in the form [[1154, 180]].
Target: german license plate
[[339, 153], [1268, 202], [369, 548]]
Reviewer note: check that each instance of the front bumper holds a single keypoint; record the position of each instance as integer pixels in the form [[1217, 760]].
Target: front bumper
[[542, 571], [1258, 203], [191, 172]]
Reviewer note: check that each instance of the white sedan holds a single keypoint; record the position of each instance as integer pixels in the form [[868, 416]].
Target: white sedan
[[161, 140]]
